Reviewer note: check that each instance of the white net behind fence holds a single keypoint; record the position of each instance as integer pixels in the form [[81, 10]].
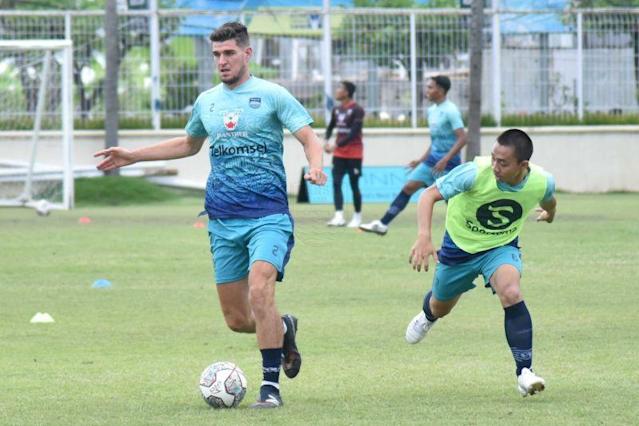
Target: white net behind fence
[[35, 97]]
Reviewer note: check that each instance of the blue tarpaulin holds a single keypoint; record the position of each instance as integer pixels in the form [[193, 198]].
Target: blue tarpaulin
[[378, 184], [254, 4], [533, 22], [202, 25]]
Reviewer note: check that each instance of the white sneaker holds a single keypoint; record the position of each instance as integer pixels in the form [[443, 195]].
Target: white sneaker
[[355, 222], [375, 226], [417, 328], [529, 383], [336, 221]]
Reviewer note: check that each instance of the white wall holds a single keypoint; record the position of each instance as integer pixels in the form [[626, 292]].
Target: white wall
[[582, 158]]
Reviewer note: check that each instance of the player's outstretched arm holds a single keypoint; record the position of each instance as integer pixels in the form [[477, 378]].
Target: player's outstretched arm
[[179, 147], [423, 248], [547, 210], [313, 152]]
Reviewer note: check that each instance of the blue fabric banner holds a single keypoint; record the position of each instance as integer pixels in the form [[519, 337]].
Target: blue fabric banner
[[379, 184]]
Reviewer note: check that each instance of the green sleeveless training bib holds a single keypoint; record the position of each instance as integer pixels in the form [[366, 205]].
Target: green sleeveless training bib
[[486, 217]]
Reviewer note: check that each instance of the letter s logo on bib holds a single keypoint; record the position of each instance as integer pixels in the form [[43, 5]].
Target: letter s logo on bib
[[499, 214]]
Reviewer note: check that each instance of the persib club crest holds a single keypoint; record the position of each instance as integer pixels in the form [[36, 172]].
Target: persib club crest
[[255, 103], [231, 118]]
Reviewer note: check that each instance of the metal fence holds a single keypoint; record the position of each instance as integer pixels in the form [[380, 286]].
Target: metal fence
[[564, 64]]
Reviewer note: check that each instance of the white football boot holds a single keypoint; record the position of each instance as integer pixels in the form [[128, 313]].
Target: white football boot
[[356, 220], [337, 220], [529, 383], [375, 226], [417, 328]]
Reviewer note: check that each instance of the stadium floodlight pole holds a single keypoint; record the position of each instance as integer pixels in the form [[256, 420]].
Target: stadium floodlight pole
[[496, 68], [326, 59], [154, 34]]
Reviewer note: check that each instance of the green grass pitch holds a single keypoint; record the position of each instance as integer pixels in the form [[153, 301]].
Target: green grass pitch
[[132, 354]]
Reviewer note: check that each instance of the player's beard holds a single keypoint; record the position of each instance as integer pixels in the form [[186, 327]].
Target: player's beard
[[230, 81]]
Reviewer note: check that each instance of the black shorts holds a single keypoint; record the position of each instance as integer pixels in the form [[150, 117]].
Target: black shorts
[[352, 166]]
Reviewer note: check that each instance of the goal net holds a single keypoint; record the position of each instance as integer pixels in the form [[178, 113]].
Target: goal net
[[36, 124]]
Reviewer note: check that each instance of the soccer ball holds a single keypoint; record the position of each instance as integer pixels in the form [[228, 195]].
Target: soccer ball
[[42, 208], [223, 385]]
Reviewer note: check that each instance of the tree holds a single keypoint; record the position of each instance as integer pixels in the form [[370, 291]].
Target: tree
[[52, 27], [392, 37], [88, 40], [51, 4]]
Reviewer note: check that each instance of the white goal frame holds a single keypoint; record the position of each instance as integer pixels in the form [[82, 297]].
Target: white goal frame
[[48, 47]]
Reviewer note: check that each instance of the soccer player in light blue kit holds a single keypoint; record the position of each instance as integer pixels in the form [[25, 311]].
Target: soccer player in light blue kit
[[448, 137], [250, 227]]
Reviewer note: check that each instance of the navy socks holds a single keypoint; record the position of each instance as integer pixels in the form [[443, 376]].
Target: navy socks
[[396, 207], [271, 363], [429, 315], [518, 326]]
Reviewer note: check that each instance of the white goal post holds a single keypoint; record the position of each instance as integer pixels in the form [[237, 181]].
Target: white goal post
[[36, 124]]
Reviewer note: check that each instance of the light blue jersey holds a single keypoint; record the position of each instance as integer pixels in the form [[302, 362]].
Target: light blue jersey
[[244, 126], [443, 120], [461, 179]]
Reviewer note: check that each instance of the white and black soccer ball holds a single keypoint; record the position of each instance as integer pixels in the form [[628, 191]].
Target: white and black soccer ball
[[42, 208], [223, 385]]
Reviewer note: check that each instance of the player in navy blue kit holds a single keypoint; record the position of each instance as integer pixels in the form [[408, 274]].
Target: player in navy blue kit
[[348, 152], [250, 226]]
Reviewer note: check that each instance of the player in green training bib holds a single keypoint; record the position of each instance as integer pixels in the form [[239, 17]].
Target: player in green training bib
[[488, 202]]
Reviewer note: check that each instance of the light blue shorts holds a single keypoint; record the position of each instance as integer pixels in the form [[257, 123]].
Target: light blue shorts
[[424, 173], [237, 243], [452, 280]]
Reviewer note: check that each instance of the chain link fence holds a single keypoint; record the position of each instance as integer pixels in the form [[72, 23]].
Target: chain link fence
[[562, 66]]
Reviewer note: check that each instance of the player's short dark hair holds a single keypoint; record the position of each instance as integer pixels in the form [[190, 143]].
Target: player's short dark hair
[[231, 31], [442, 81], [519, 140], [349, 86]]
